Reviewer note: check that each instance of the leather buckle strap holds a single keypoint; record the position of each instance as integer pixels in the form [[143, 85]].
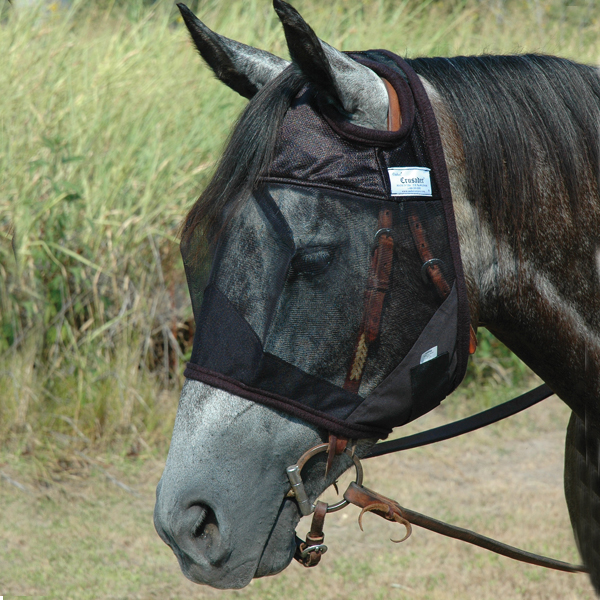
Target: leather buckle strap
[[379, 273], [431, 265], [309, 552], [394, 116], [378, 284], [337, 445], [431, 269]]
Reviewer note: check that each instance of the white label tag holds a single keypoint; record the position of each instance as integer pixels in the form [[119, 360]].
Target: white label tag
[[429, 355], [410, 181]]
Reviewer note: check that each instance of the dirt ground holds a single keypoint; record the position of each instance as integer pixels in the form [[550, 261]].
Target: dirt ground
[[82, 536]]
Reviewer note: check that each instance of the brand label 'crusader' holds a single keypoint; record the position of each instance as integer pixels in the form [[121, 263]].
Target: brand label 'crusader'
[[409, 181]]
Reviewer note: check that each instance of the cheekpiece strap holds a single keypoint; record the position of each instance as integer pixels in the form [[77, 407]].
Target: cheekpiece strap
[[380, 273], [337, 445], [431, 269], [309, 552]]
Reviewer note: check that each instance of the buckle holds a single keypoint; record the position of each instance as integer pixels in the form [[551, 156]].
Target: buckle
[[318, 548]]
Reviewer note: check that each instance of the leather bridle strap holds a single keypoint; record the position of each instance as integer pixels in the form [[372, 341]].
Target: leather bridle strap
[[380, 272], [431, 266], [394, 115], [378, 284], [309, 552], [430, 263], [390, 510]]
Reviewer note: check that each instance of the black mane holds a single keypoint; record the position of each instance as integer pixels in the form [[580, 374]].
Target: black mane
[[247, 155], [521, 118]]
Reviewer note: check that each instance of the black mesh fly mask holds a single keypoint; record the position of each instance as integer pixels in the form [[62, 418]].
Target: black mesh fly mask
[[336, 291]]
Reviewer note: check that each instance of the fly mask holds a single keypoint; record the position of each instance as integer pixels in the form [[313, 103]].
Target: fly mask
[[336, 292]]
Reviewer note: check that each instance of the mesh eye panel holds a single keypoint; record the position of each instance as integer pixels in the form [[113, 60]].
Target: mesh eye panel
[[302, 312]]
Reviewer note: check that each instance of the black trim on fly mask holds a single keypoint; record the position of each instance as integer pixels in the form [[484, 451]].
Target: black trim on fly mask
[[275, 217]]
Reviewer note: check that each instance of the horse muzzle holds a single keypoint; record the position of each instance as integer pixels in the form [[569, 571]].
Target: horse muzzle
[[220, 504], [215, 551]]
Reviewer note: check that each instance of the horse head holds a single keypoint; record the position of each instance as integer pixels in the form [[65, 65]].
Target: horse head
[[222, 503]]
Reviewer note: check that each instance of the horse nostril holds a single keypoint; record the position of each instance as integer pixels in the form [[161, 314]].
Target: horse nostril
[[198, 528], [205, 525]]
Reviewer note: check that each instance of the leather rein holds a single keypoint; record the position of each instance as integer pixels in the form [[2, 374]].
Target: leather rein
[[309, 552]]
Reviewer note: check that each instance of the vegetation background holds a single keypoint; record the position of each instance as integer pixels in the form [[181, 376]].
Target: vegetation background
[[110, 126]]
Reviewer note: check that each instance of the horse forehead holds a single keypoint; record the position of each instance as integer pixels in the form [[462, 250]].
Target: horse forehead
[[310, 211], [302, 208]]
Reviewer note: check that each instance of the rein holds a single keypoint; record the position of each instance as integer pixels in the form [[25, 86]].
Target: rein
[[309, 552]]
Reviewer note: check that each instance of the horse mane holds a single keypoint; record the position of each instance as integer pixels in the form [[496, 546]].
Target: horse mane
[[247, 156], [529, 127]]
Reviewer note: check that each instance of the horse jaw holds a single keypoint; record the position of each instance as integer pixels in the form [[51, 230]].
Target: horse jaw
[[221, 502]]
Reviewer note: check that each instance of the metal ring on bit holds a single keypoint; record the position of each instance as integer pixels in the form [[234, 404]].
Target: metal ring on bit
[[293, 473]]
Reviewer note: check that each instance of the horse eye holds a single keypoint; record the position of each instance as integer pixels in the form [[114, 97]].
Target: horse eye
[[312, 261]]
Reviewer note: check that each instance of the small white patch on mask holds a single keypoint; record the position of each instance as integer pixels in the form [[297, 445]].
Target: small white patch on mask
[[429, 355]]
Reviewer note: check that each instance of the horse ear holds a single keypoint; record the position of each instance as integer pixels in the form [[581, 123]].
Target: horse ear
[[243, 68], [353, 88]]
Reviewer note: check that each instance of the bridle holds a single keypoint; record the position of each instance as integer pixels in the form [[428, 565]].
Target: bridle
[[309, 552]]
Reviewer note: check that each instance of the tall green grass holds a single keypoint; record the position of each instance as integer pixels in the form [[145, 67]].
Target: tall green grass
[[109, 128]]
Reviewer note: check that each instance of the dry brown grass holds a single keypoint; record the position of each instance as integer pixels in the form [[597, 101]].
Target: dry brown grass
[[77, 535]]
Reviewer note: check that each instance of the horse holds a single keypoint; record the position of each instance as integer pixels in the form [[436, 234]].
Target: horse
[[520, 142]]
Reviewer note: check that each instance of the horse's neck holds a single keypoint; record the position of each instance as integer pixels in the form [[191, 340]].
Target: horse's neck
[[549, 332], [543, 303]]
